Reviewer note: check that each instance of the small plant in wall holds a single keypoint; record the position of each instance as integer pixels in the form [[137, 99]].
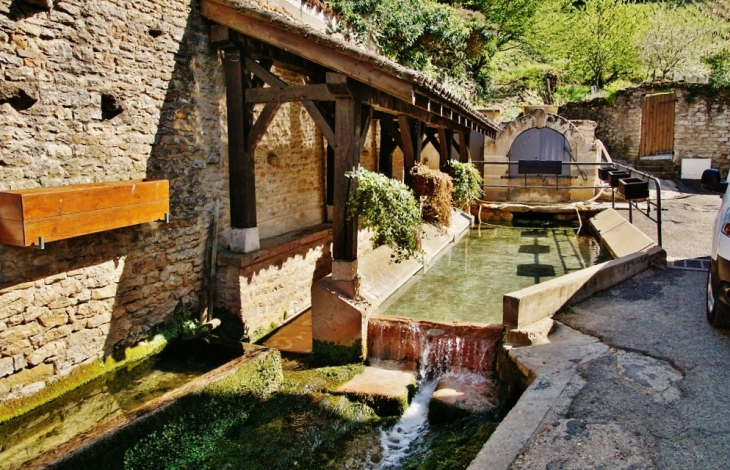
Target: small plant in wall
[[389, 209], [434, 188], [467, 183]]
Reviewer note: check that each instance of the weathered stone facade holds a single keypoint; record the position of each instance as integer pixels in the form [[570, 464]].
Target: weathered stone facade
[[80, 63], [500, 186], [701, 124], [116, 90]]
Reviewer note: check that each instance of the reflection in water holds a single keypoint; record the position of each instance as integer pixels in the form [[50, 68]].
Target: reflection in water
[[468, 283]]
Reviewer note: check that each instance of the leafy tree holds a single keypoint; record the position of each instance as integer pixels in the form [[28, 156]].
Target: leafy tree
[[602, 44], [675, 40], [719, 64]]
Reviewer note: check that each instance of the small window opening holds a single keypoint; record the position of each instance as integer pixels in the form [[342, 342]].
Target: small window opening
[[110, 107]]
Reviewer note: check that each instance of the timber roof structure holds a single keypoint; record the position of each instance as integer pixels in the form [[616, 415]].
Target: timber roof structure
[[389, 87]]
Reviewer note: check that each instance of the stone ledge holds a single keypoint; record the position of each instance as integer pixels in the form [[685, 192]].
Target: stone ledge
[[275, 246]]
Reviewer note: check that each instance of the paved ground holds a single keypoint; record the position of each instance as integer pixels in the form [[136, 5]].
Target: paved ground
[[659, 396]]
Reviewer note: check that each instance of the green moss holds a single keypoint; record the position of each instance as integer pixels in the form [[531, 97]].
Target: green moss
[[329, 353], [456, 445], [185, 433], [82, 375]]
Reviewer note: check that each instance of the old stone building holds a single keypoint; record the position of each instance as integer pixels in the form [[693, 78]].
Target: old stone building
[[115, 90]]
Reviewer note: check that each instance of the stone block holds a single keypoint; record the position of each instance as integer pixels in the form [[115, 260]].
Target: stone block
[[48, 353], [53, 318], [459, 395], [7, 366], [337, 318], [36, 374], [388, 392]]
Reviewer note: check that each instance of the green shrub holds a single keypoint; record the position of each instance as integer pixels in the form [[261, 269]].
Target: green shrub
[[388, 208], [467, 183]]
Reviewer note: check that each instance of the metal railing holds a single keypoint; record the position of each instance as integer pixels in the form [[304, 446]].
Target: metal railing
[[606, 161]]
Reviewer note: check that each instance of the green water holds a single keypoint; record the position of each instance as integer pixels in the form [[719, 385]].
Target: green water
[[467, 283]]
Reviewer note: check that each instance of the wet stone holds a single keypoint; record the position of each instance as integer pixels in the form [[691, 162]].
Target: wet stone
[[388, 392], [459, 395]]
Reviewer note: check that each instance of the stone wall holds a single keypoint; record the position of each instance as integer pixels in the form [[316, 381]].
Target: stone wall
[[116, 90], [702, 121], [67, 72]]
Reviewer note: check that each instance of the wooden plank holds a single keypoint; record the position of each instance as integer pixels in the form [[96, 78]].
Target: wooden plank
[[83, 223], [318, 92], [318, 53], [241, 179], [11, 206], [43, 204], [347, 157], [11, 232], [261, 125]]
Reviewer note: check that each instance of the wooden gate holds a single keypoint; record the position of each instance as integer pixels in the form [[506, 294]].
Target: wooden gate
[[657, 124]]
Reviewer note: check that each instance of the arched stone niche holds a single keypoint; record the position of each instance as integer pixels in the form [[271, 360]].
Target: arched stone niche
[[581, 178]]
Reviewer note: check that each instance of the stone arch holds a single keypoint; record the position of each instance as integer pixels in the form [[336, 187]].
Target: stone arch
[[582, 149]]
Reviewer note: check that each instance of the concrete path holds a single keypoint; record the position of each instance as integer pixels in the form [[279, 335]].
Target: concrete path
[[659, 395]]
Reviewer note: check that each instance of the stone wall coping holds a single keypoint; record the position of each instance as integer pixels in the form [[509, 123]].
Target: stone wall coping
[[275, 246]]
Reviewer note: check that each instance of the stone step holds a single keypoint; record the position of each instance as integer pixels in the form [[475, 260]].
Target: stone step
[[387, 392]]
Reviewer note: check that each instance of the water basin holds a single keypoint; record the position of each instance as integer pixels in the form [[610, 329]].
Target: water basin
[[467, 283]]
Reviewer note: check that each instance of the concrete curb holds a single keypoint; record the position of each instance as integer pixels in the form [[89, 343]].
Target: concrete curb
[[535, 303], [553, 366]]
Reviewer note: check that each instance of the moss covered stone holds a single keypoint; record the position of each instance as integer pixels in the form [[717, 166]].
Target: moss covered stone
[[329, 353]]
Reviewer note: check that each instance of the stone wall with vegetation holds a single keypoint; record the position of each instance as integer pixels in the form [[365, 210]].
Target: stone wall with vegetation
[[112, 91], [105, 91], [702, 119]]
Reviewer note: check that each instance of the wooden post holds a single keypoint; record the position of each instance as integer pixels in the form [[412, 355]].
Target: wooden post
[[409, 152], [444, 147], [347, 157], [464, 146], [387, 146], [241, 176]]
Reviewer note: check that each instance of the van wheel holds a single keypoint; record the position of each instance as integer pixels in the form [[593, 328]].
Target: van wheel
[[715, 316]]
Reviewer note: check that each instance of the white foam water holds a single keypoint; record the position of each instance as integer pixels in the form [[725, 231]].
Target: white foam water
[[401, 440]]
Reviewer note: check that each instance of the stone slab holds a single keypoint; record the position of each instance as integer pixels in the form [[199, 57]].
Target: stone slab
[[606, 220], [387, 391], [457, 395], [624, 240]]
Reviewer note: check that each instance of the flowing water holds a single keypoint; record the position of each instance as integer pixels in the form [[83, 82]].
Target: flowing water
[[467, 283]]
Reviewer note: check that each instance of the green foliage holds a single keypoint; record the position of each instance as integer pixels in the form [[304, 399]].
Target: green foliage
[[569, 93], [446, 43], [467, 184], [719, 64], [602, 46], [675, 39], [388, 208]]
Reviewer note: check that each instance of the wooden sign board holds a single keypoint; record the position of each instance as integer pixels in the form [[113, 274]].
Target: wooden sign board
[[29, 215]]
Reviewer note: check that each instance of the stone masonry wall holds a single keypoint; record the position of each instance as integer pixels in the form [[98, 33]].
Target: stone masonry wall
[[63, 72], [701, 125]]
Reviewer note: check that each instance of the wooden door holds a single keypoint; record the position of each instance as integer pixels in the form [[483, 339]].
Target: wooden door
[[657, 124]]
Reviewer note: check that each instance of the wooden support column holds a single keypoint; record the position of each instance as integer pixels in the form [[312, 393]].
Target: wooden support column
[[464, 146], [242, 183], [411, 140], [349, 120], [444, 148]]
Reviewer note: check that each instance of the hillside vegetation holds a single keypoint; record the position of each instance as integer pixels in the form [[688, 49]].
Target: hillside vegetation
[[549, 51]]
